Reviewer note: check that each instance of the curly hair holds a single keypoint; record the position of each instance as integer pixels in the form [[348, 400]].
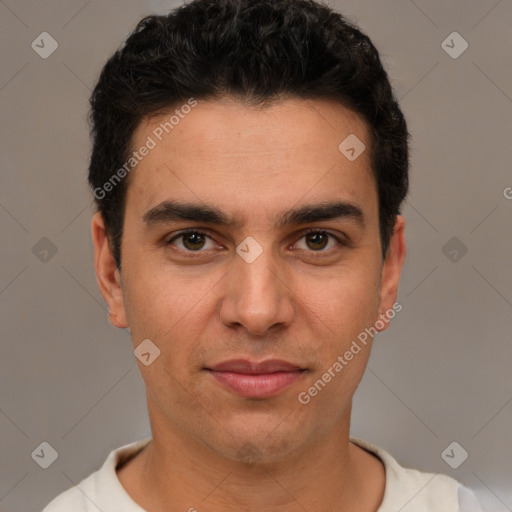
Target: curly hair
[[257, 52]]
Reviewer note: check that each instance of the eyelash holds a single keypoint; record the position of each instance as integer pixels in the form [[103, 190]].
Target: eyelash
[[181, 234]]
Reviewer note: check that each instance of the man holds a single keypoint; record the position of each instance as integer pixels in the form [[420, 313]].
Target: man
[[249, 164]]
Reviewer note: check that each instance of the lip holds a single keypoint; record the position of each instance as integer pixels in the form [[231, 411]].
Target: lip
[[256, 379], [254, 368]]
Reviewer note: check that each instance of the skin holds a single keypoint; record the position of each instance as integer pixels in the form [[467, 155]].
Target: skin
[[294, 302]]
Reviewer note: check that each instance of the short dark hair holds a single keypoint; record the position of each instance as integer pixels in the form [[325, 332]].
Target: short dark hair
[[258, 52]]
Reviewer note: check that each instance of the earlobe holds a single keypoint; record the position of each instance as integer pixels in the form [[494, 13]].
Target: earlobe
[[392, 268], [107, 274]]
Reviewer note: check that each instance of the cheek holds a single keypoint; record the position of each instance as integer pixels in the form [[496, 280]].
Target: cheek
[[343, 347], [161, 299], [174, 312], [344, 303]]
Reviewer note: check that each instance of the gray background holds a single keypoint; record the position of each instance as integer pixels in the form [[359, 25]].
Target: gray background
[[441, 373]]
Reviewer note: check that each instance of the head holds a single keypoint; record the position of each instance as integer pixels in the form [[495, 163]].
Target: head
[[228, 119], [259, 53]]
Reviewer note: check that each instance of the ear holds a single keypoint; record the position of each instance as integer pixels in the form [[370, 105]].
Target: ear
[[107, 274], [392, 269]]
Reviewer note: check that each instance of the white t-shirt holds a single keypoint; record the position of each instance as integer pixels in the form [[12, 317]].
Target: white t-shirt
[[406, 490]]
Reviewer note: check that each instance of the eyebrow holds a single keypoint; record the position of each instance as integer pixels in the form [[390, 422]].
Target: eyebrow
[[171, 211]]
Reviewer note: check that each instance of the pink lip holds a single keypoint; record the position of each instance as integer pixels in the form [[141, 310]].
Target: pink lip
[[256, 380], [254, 368]]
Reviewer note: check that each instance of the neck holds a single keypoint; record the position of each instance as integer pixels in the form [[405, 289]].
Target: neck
[[176, 472]]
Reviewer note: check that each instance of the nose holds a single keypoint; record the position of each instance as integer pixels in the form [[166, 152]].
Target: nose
[[257, 296]]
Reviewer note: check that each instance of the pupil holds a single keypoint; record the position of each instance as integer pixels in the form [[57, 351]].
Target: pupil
[[193, 240], [318, 239]]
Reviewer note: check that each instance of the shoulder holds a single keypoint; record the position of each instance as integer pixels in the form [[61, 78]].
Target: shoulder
[[73, 499], [100, 490], [409, 489]]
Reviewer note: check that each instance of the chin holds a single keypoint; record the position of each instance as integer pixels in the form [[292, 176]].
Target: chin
[[257, 443]]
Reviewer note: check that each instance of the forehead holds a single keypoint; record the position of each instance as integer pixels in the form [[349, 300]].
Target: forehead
[[247, 158]]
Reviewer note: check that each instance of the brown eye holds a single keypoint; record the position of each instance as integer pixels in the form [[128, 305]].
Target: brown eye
[[193, 241], [317, 241]]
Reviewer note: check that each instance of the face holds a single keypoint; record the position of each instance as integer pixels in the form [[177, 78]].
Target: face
[[250, 238]]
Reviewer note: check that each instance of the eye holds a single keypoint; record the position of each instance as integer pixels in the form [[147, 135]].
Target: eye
[[318, 241], [197, 241], [192, 241]]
